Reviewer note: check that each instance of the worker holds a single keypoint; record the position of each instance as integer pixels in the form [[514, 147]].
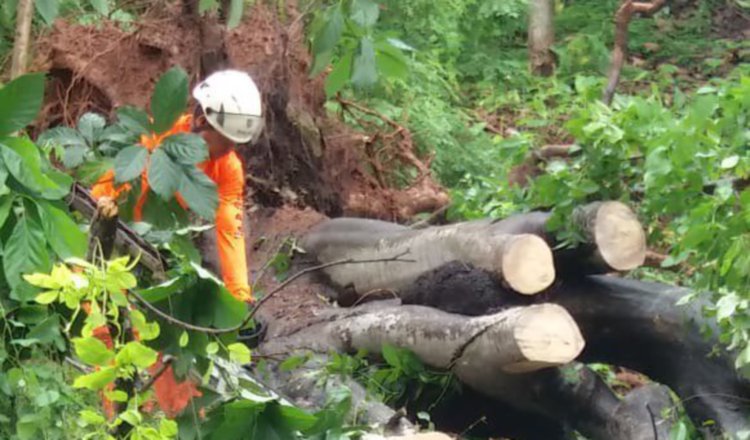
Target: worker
[[228, 114]]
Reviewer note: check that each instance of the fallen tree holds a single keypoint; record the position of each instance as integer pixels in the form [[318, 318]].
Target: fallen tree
[[510, 249], [625, 322]]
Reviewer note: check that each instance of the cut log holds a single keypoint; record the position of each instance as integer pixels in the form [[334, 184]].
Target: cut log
[[629, 323], [523, 261], [103, 231], [516, 340], [614, 241]]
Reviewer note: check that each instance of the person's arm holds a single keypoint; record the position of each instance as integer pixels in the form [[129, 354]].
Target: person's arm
[[230, 238]]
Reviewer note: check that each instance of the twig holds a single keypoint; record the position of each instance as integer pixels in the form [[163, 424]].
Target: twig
[[280, 287], [427, 221], [167, 361], [77, 365]]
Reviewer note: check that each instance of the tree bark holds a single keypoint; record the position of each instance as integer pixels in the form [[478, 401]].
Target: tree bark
[[103, 231], [541, 37], [629, 323], [514, 340], [25, 13]]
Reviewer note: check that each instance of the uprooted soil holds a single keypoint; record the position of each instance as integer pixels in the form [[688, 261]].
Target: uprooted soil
[[305, 158]]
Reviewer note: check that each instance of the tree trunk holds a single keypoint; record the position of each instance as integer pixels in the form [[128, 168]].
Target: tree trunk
[[21, 42], [514, 340], [541, 37], [628, 323]]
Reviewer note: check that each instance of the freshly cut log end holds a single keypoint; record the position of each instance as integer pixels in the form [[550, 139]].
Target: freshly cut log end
[[528, 265], [546, 335], [619, 236]]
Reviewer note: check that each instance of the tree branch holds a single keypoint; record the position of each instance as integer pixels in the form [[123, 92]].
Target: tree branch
[[280, 287], [619, 53]]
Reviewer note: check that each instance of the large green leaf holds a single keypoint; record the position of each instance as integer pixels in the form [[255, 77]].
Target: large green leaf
[[169, 99], [23, 161], [164, 174], [25, 251], [184, 148], [63, 234], [364, 71], [365, 12], [390, 60], [48, 9], [235, 13], [330, 33], [338, 77], [199, 192], [137, 354], [129, 163], [90, 172], [20, 101]]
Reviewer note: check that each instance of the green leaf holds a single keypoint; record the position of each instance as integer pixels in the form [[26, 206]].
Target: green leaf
[[238, 352], [212, 348], [25, 251], [20, 102], [47, 297], [330, 33], [100, 6], [391, 356], [147, 331], [730, 162], [234, 17], [726, 306], [90, 172], [365, 12], [91, 418], [96, 380], [48, 332], [91, 126], [168, 428], [364, 72], [129, 163], [74, 143], [184, 339], [135, 353], [63, 234], [116, 395], [133, 119], [320, 62], [6, 203], [163, 291], [22, 159], [199, 192], [48, 9], [92, 351], [164, 175], [186, 149], [339, 75], [169, 99]]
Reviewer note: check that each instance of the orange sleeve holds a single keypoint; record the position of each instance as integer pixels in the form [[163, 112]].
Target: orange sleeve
[[229, 177]]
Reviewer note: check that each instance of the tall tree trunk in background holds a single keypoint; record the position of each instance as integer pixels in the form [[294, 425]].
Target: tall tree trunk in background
[[21, 41], [541, 37]]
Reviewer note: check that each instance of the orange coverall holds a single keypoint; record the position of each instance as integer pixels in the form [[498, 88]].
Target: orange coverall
[[227, 172]]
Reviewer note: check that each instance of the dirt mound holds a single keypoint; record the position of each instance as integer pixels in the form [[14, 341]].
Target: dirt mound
[[305, 158]]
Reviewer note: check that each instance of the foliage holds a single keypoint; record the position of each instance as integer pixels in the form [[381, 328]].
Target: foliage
[[344, 32], [95, 147]]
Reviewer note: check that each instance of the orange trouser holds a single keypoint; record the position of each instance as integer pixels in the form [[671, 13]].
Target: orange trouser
[[227, 172]]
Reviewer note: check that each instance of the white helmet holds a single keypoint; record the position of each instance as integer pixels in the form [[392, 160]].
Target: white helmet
[[232, 105]]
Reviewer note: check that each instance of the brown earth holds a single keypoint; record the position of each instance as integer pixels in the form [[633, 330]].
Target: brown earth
[[305, 158]]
